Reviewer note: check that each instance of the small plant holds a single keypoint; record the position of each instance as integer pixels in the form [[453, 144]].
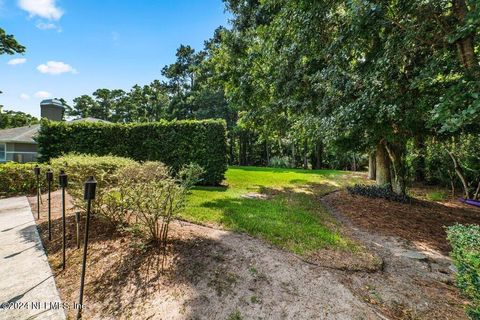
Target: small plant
[[235, 315], [154, 196], [115, 206], [465, 242], [383, 192], [436, 196], [281, 162]]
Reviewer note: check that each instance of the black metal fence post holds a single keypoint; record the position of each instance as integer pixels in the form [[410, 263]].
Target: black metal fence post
[[77, 223], [49, 176], [89, 195], [36, 170], [63, 181]]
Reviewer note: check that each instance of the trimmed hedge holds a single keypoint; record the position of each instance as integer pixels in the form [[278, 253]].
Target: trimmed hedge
[[465, 242], [18, 178], [80, 167], [175, 143]]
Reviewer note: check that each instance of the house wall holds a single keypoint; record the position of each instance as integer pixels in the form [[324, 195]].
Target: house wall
[[21, 152]]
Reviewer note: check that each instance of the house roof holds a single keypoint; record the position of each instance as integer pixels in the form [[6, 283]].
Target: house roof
[[27, 133], [20, 134]]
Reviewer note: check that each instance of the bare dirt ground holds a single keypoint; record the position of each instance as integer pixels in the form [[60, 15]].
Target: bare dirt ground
[[214, 274], [417, 278]]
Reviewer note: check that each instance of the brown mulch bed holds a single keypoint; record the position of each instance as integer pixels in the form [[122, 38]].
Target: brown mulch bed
[[421, 222]]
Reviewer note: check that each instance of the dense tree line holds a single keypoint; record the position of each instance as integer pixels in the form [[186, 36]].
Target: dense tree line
[[330, 83], [13, 119]]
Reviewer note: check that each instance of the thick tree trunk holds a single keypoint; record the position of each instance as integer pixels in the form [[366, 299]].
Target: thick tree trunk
[[372, 166], [465, 45], [382, 166], [395, 154]]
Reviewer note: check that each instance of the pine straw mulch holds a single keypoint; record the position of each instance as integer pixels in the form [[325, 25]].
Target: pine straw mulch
[[421, 222]]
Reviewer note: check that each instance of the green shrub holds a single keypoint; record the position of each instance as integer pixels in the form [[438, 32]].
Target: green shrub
[[465, 242], [175, 143], [80, 167], [437, 196], [281, 162], [151, 195], [373, 191], [19, 179]]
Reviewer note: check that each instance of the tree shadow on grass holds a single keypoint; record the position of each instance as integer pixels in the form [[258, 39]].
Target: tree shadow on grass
[[290, 218], [323, 172], [209, 188]]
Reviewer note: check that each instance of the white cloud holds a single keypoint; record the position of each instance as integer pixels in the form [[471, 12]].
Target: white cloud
[[48, 26], [43, 8], [24, 96], [14, 62], [42, 94], [56, 67]]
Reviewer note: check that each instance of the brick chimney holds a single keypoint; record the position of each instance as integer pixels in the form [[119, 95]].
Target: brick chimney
[[52, 109]]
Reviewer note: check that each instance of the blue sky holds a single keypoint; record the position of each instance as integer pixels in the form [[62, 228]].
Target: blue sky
[[75, 47]]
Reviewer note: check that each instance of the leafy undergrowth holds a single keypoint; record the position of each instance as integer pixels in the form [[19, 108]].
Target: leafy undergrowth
[[374, 191], [278, 205]]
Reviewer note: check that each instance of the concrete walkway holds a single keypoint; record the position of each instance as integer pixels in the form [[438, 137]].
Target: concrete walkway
[[27, 286]]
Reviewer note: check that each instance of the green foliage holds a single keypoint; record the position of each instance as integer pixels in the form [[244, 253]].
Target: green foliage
[[362, 71], [19, 179], [154, 196], [439, 166], [13, 119], [79, 167], [175, 143], [281, 162], [465, 242], [373, 191], [146, 197], [8, 44], [437, 196]]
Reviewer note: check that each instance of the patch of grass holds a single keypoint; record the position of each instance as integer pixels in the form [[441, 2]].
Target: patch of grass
[[235, 315], [254, 299], [436, 196], [290, 217], [253, 270]]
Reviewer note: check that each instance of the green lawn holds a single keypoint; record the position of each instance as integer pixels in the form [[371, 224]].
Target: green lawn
[[291, 217]]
